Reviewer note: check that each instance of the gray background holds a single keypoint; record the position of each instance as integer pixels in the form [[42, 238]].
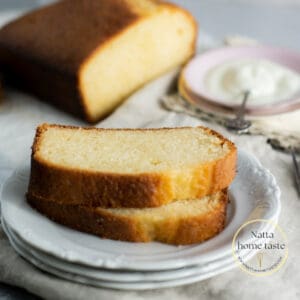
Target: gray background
[[275, 22], [272, 21]]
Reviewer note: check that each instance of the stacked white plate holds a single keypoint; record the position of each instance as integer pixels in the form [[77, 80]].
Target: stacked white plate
[[87, 259]]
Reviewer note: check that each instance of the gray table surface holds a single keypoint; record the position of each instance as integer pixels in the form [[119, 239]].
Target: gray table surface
[[274, 22]]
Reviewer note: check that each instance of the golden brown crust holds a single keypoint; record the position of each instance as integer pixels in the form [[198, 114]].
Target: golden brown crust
[[177, 231], [92, 22], [51, 44], [29, 55], [94, 189]]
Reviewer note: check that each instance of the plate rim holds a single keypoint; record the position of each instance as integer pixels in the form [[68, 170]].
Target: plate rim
[[142, 276], [122, 285]]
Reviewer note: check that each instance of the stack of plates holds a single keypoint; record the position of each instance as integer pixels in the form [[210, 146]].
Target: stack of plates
[[90, 260]]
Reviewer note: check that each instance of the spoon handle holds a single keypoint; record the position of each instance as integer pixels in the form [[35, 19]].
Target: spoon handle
[[242, 109]]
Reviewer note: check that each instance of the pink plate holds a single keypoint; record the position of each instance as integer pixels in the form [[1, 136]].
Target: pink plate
[[192, 76]]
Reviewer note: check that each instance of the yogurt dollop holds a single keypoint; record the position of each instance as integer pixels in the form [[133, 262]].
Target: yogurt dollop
[[267, 81]]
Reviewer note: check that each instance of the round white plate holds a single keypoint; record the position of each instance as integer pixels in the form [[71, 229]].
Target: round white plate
[[114, 275], [254, 194], [198, 275]]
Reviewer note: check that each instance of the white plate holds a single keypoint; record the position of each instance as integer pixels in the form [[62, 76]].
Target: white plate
[[254, 194], [199, 273], [114, 275]]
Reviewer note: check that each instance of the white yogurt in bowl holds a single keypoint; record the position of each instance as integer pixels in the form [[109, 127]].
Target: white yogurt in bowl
[[267, 81], [220, 77]]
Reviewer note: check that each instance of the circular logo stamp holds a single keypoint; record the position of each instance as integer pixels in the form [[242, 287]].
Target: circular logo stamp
[[260, 247]]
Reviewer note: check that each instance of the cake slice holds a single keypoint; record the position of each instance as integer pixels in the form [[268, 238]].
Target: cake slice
[[182, 222], [86, 56], [134, 168]]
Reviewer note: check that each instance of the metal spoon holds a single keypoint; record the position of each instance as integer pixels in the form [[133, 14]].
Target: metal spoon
[[239, 124], [297, 170]]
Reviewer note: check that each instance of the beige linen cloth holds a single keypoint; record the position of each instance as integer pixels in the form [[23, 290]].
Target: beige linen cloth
[[20, 114]]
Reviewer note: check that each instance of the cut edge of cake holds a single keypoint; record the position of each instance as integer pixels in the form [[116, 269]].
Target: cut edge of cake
[[172, 42]]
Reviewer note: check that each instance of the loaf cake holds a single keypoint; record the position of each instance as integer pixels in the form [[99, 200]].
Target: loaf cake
[[133, 168], [180, 223], [86, 56]]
